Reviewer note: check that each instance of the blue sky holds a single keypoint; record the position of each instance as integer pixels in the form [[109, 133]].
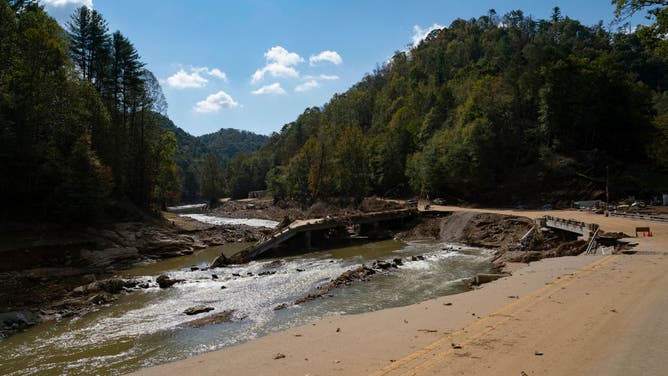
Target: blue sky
[[257, 64]]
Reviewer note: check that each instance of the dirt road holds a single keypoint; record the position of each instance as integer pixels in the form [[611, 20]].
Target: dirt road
[[593, 315]]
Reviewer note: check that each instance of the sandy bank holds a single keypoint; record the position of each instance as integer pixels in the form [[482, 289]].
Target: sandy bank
[[570, 315]]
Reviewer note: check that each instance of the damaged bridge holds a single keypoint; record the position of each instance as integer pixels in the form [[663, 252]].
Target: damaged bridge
[[584, 229], [304, 234], [588, 231]]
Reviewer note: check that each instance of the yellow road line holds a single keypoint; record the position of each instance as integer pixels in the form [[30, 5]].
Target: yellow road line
[[555, 285]]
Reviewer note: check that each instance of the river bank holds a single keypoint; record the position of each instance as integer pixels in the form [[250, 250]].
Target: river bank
[[50, 272], [150, 326], [67, 273], [566, 315], [424, 246]]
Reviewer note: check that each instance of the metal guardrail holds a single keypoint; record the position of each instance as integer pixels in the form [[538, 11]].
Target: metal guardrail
[[570, 224], [643, 217]]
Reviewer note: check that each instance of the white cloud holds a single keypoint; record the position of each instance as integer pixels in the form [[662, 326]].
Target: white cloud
[[308, 85], [275, 70], [274, 88], [194, 79], [216, 102], [62, 3], [419, 33], [281, 56], [280, 63], [324, 77], [331, 56], [313, 82], [215, 72], [183, 80]]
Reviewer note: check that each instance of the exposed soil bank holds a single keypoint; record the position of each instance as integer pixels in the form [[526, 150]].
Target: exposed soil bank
[[56, 272], [267, 209], [505, 234]]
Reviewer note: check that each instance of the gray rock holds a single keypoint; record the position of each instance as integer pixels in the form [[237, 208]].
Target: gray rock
[[109, 256], [112, 285], [164, 281], [197, 310], [486, 278], [218, 318]]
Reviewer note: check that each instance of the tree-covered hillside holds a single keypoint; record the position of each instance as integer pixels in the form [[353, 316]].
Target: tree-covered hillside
[[217, 148], [79, 134], [498, 109], [228, 142], [83, 130]]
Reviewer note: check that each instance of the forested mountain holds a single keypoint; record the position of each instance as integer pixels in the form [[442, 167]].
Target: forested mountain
[[497, 109], [190, 151], [193, 151], [228, 142], [83, 130]]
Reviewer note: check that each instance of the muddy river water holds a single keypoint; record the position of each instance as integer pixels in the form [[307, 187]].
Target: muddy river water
[[146, 327]]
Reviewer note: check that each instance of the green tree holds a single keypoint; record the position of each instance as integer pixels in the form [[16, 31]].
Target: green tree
[[51, 167], [658, 9], [167, 184], [90, 45], [212, 179], [350, 165]]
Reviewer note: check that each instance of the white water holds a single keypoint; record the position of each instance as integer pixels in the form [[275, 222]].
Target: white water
[[146, 328], [186, 207], [231, 221]]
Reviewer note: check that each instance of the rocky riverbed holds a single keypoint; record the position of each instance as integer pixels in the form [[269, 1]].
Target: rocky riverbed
[[504, 234], [63, 272], [42, 266]]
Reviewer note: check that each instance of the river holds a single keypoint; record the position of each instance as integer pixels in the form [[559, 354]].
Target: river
[[146, 327]]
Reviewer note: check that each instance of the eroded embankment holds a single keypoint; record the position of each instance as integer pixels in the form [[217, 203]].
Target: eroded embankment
[[40, 273], [501, 233], [62, 282]]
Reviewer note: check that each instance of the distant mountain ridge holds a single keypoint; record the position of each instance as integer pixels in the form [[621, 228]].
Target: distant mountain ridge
[[228, 142], [225, 144]]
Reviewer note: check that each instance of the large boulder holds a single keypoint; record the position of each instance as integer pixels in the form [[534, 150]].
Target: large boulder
[[222, 260], [110, 285], [197, 310], [218, 318], [114, 285], [164, 281], [11, 322]]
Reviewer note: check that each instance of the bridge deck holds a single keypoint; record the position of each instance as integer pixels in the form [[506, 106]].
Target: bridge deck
[[583, 228], [316, 224]]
